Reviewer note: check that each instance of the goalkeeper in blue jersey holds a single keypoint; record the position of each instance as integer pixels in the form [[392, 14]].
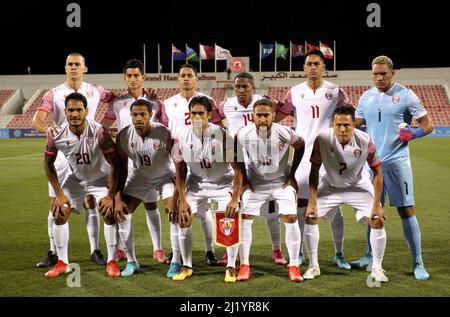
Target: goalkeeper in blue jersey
[[387, 110]]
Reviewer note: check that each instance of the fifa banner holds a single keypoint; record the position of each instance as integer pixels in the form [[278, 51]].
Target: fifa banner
[[25, 133], [227, 230], [238, 64]]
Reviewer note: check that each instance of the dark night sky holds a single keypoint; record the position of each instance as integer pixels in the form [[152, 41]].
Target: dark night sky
[[36, 33]]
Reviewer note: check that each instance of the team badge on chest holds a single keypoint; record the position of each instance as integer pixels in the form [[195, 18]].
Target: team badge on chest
[[157, 145], [395, 99], [357, 152], [90, 141], [328, 95]]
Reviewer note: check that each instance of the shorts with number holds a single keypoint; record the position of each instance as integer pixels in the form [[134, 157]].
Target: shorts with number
[[62, 167], [358, 196], [145, 190], [198, 198], [285, 199], [76, 190], [398, 184]]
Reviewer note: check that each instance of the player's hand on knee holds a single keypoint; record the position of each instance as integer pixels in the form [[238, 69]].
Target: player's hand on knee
[[311, 214], [185, 218], [377, 217], [61, 202], [106, 206]]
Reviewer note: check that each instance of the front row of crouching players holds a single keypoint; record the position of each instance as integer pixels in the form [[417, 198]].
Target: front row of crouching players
[[210, 165]]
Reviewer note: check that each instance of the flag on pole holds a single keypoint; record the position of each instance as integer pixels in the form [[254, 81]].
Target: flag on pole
[[326, 51], [222, 53], [297, 50], [311, 47], [281, 51], [177, 55], [266, 50], [191, 55], [207, 52]]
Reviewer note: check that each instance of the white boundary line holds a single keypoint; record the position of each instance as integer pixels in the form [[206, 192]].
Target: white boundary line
[[19, 157]]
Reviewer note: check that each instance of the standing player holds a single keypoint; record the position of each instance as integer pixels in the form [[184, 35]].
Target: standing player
[[312, 103], [265, 146], [89, 149], [53, 102], [383, 108], [203, 148], [176, 116], [120, 110], [343, 152], [148, 146], [238, 111]]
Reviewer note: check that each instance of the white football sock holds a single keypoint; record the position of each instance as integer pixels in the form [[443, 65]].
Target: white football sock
[[232, 253], [293, 240], [301, 225], [337, 229], [62, 241], [378, 242], [154, 227], [51, 236], [185, 238], [246, 241], [126, 235], [110, 233], [273, 223], [206, 221], [312, 243], [174, 231], [91, 219]]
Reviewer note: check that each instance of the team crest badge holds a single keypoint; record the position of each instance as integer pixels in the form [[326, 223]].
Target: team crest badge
[[157, 146], [226, 226], [132, 144], [124, 103], [280, 145], [395, 99], [328, 95], [332, 149], [175, 104], [235, 108], [90, 93], [357, 152], [302, 96], [90, 141], [68, 142], [191, 145], [213, 149]]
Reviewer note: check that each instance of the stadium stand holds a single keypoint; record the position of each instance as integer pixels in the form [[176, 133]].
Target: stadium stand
[[23, 121], [4, 95]]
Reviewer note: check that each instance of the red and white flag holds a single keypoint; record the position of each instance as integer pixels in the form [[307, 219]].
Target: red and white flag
[[326, 51], [228, 230], [311, 47], [207, 52]]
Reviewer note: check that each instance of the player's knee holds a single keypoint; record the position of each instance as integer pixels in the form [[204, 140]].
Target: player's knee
[[376, 223], [151, 205], [405, 212], [89, 202], [311, 221], [289, 218], [248, 217], [109, 220], [61, 220]]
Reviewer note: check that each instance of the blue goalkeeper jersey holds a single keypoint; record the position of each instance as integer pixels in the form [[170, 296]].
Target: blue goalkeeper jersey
[[383, 112]]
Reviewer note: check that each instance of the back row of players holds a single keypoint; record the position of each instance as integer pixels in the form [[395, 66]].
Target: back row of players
[[78, 172]]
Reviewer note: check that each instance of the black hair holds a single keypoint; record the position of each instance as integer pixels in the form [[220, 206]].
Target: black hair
[[188, 66], [264, 102], [246, 75], [315, 52], [203, 101], [345, 109], [134, 63], [142, 102], [76, 96]]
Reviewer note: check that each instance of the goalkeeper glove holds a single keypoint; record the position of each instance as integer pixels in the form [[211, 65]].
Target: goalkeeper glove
[[406, 133]]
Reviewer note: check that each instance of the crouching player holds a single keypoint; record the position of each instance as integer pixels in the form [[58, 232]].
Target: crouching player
[[343, 151], [148, 145], [265, 146], [89, 149]]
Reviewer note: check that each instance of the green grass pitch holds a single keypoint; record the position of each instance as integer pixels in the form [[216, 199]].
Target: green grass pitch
[[23, 237]]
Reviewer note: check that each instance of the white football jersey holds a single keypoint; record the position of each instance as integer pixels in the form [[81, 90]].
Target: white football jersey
[[176, 110], [312, 110], [85, 153], [54, 99], [208, 157], [119, 109], [267, 160], [150, 155], [344, 165], [237, 115]]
